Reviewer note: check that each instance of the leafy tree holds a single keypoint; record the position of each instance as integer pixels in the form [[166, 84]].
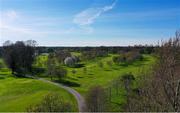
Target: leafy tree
[[19, 56]]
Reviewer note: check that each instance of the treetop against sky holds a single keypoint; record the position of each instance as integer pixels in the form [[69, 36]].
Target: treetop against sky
[[89, 22]]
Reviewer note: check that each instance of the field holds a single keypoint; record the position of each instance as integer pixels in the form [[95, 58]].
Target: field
[[16, 94], [103, 76]]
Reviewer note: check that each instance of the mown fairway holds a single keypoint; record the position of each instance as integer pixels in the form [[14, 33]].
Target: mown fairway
[[105, 75], [16, 94], [95, 75]]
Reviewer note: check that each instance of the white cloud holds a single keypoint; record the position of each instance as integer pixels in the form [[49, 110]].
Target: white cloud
[[11, 14], [89, 15]]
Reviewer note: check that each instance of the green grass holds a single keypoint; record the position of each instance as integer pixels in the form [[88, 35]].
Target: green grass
[[16, 94], [103, 76], [95, 75]]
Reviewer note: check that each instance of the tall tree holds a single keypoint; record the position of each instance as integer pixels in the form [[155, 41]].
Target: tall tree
[[160, 91], [51, 65], [97, 99], [19, 56]]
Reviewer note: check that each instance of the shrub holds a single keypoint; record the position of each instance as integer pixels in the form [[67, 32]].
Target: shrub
[[51, 103]]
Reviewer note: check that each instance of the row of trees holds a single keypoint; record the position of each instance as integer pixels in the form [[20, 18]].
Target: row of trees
[[127, 57], [147, 49], [89, 55]]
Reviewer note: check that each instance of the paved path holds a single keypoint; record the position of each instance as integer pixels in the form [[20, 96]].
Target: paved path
[[79, 98]]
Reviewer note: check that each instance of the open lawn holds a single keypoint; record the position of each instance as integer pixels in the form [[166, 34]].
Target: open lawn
[[95, 75], [103, 76], [16, 94]]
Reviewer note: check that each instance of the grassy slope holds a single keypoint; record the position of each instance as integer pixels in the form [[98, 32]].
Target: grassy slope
[[16, 94], [104, 76]]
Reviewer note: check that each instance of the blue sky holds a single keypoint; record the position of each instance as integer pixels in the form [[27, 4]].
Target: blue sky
[[89, 22]]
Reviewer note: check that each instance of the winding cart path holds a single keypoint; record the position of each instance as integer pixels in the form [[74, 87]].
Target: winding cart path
[[80, 99]]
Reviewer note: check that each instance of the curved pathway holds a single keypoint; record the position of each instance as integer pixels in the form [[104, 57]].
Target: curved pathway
[[80, 99]]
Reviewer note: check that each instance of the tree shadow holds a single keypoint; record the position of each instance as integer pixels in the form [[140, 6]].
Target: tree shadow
[[68, 83], [108, 70], [1, 77], [79, 65], [72, 78]]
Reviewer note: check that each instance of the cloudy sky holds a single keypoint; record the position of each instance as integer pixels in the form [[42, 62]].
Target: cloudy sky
[[89, 22]]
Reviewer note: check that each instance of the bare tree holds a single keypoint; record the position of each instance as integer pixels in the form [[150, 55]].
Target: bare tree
[[97, 99], [160, 91], [51, 65]]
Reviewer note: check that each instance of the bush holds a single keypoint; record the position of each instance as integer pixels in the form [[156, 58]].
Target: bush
[[89, 55], [51, 103]]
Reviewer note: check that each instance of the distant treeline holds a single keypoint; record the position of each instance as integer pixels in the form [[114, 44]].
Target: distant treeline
[[114, 49], [111, 49]]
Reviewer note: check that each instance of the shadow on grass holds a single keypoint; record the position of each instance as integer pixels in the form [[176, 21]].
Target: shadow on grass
[[72, 78], [80, 77], [1, 77], [79, 65], [3, 74], [108, 70], [68, 83]]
